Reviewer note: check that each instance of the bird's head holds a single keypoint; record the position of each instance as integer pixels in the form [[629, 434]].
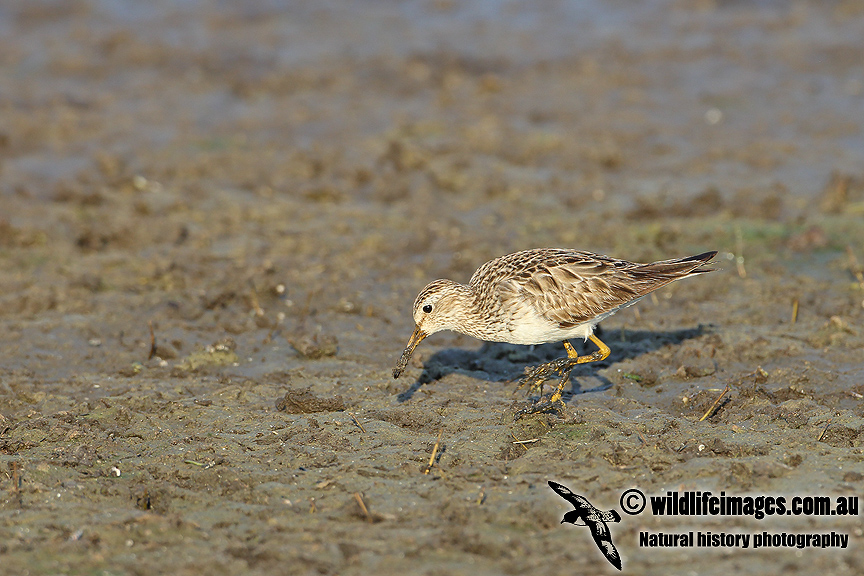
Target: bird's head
[[573, 517], [441, 305]]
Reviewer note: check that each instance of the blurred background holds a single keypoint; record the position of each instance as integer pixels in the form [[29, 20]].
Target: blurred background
[[205, 204]]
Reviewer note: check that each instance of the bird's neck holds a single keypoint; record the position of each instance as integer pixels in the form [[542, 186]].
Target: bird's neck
[[469, 317]]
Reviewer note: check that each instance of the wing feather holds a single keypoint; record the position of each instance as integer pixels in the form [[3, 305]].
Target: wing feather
[[604, 541], [572, 287], [570, 294]]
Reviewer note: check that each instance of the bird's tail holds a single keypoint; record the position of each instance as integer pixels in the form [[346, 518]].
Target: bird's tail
[[680, 267], [701, 260], [646, 278]]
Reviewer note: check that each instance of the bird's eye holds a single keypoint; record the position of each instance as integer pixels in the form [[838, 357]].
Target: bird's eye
[[427, 308]]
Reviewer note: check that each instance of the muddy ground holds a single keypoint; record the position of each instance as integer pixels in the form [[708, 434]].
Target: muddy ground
[[269, 186]]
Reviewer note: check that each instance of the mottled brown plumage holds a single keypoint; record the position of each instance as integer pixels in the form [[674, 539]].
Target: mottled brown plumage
[[542, 295]]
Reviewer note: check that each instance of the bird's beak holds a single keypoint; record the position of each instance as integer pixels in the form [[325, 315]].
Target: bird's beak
[[415, 339]]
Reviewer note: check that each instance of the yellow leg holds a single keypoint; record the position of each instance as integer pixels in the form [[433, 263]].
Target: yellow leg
[[600, 354], [537, 375]]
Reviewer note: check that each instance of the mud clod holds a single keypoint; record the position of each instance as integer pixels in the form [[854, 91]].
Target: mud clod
[[314, 346], [304, 402]]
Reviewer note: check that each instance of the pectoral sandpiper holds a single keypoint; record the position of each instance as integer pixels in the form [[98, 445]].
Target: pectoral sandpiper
[[539, 296]]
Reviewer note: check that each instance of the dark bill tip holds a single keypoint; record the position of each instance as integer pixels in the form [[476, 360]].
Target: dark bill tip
[[415, 339]]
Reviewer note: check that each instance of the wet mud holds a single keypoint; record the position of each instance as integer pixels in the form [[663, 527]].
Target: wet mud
[[268, 186]]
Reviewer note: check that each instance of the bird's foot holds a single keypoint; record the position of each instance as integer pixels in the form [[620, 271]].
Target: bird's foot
[[553, 402], [533, 378]]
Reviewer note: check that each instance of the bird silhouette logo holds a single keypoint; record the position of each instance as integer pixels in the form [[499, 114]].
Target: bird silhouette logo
[[585, 514]]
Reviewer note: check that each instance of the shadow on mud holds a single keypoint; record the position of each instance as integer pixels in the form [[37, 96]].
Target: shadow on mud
[[496, 362]]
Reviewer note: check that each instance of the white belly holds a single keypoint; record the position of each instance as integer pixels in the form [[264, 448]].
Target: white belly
[[540, 331]]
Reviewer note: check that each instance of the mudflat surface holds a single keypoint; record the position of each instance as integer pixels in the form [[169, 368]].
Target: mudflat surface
[[269, 187]]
